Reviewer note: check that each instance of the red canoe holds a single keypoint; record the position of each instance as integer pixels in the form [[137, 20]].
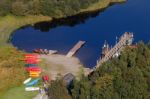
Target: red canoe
[[32, 61], [31, 56], [33, 69]]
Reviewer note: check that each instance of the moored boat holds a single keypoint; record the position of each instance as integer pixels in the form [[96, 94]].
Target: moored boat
[[27, 80], [32, 89]]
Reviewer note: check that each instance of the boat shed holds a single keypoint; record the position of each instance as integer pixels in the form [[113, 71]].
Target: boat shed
[[68, 78]]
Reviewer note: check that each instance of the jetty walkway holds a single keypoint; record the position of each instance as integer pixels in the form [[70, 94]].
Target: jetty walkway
[[75, 48], [125, 40]]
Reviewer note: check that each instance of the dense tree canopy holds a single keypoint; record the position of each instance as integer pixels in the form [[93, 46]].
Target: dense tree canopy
[[126, 77], [57, 90], [46, 7]]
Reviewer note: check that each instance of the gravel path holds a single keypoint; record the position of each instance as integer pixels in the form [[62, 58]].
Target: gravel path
[[41, 95]]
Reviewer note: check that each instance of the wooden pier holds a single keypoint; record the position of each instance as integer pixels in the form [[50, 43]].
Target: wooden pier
[[75, 48], [125, 40]]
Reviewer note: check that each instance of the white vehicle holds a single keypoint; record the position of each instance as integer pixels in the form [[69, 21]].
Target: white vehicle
[[27, 80]]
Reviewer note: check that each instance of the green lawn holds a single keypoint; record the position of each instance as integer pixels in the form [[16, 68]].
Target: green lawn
[[18, 93]]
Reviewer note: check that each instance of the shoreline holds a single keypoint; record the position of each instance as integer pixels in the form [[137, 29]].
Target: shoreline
[[57, 64], [16, 22]]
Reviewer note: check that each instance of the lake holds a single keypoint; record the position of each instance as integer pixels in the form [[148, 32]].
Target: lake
[[94, 28]]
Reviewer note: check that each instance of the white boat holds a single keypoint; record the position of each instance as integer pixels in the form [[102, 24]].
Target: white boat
[[52, 52], [27, 80], [32, 89]]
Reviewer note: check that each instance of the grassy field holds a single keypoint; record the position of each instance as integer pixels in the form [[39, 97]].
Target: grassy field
[[101, 5], [18, 93], [13, 73], [11, 69], [10, 23]]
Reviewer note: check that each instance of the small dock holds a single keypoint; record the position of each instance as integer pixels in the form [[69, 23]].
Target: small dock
[[75, 48]]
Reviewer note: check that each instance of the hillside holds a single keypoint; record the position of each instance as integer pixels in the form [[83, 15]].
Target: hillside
[[126, 77], [52, 8], [11, 69]]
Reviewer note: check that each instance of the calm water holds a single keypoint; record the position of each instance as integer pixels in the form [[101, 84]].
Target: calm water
[[94, 28]]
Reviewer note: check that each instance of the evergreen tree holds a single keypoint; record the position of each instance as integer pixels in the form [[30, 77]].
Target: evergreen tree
[[57, 90], [125, 77]]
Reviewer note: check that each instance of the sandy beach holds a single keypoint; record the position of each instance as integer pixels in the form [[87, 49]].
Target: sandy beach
[[60, 65]]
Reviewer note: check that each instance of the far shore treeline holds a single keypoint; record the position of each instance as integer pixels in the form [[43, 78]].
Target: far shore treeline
[[51, 8]]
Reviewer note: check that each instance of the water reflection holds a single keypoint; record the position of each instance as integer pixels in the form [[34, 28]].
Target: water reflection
[[69, 21]]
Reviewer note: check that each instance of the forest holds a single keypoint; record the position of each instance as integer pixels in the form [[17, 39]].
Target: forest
[[51, 8], [125, 77]]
